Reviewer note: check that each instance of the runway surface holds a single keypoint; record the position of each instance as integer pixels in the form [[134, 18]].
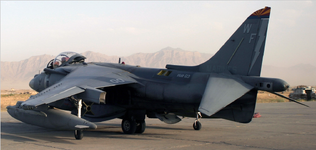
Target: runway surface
[[281, 126]]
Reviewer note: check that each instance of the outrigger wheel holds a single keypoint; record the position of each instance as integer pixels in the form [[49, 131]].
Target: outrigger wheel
[[78, 134]]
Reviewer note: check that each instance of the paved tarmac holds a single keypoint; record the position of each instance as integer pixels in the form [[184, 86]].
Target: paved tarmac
[[281, 126]]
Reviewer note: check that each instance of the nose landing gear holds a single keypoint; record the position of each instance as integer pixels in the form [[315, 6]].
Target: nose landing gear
[[197, 124]]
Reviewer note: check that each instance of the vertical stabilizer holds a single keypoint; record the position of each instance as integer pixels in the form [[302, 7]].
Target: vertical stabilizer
[[243, 52]]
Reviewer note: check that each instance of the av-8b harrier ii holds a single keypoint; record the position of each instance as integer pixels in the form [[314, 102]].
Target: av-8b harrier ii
[[225, 87]]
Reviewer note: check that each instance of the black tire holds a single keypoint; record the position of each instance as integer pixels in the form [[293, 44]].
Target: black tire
[[197, 125], [128, 126], [141, 126], [78, 134]]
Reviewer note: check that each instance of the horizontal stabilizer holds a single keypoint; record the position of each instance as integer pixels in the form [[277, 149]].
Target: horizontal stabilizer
[[220, 91]]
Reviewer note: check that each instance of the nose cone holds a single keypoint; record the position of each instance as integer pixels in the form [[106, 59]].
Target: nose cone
[[37, 83], [32, 84]]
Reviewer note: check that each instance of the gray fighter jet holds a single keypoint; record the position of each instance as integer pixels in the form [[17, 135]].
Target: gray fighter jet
[[73, 94]]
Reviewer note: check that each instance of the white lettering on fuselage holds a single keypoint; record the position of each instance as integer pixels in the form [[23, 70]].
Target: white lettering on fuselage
[[119, 80], [184, 76]]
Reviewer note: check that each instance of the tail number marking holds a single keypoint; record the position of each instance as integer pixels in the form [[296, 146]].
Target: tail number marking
[[183, 76]]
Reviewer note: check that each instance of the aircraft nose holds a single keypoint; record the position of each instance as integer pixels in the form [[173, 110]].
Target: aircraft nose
[[32, 84]]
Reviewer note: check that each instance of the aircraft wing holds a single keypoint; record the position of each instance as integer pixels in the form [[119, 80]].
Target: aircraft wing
[[220, 91], [84, 80]]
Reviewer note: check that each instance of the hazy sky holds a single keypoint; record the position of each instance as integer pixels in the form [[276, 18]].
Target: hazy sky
[[125, 27]]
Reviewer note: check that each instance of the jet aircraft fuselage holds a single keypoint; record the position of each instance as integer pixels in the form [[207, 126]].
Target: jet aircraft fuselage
[[161, 90]]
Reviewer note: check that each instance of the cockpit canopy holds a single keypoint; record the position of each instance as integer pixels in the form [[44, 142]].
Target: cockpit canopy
[[66, 58]]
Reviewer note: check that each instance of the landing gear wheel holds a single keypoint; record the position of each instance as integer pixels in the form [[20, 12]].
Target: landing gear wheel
[[141, 126], [78, 134], [129, 126], [197, 125]]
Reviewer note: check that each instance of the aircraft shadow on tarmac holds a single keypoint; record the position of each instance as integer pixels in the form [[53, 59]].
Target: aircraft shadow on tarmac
[[154, 126], [21, 132]]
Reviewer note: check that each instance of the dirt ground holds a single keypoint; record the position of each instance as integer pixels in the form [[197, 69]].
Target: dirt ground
[[266, 97], [10, 97]]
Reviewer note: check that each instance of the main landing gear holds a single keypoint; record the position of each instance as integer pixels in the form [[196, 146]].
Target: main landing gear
[[134, 122], [197, 124], [131, 126]]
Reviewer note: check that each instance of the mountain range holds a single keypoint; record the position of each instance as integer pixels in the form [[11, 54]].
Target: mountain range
[[18, 74]]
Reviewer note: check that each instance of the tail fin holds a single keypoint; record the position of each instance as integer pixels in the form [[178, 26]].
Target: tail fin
[[243, 52]]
